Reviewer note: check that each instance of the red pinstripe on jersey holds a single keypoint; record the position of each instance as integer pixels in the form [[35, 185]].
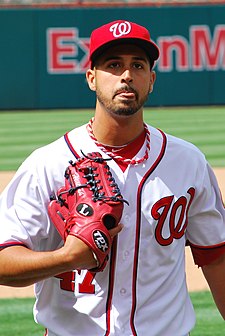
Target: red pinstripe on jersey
[[111, 284], [66, 137], [138, 229]]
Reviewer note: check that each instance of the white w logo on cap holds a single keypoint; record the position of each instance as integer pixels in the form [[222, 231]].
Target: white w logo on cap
[[120, 28]]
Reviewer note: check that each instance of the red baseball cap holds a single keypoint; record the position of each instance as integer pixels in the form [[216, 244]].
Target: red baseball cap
[[121, 31]]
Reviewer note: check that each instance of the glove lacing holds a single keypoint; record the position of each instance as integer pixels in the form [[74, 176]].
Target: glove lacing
[[90, 175]]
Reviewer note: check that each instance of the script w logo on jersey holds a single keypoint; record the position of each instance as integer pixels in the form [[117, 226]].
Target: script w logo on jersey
[[174, 214]]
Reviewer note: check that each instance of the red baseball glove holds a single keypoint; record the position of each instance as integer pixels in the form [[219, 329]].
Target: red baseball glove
[[88, 205]]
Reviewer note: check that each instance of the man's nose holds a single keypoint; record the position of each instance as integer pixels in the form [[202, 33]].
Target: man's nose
[[127, 76]]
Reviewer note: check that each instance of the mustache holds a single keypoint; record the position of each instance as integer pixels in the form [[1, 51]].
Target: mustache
[[125, 89]]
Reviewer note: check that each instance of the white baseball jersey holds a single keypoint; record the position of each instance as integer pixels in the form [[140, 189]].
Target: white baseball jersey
[[173, 198]]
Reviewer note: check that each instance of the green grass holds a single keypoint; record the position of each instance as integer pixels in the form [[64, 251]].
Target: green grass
[[209, 321], [16, 317], [22, 132]]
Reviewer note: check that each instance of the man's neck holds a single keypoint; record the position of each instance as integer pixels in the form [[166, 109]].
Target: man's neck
[[117, 130]]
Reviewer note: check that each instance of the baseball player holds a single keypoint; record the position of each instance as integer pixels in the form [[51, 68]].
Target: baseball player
[[174, 201]]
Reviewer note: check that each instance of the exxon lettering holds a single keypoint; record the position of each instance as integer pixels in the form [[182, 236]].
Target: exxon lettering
[[204, 51]]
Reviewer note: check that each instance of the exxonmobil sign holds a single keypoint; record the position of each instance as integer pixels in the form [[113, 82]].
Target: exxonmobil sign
[[204, 50]]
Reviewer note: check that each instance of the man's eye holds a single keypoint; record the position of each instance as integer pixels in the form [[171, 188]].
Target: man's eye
[[138, 66], [114, 65]]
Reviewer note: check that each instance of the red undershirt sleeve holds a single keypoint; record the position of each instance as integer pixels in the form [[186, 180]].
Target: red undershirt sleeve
[[205, 255]]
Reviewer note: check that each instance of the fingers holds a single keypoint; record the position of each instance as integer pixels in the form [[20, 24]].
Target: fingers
[[81, 255], [116, 230]]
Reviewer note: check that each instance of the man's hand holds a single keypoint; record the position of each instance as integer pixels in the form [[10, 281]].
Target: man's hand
[[78, 255]]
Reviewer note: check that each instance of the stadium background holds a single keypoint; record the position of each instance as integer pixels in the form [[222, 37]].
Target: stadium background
[[32, 78], [44, 51]]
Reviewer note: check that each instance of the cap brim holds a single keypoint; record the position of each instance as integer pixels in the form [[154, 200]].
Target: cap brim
[[149, 47]]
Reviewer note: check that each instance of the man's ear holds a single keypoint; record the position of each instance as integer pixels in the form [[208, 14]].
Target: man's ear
[[90, 76], [152, 81], [150, 88]]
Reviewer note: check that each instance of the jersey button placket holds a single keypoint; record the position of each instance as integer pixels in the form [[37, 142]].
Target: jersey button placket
[[123, 330], [127, 218], [126, 254], [123, 291]]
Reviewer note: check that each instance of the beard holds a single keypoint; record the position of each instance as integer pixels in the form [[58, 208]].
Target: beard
[[121, 108]]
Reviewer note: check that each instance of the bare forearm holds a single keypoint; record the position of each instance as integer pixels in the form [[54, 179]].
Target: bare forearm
[[215, 276], [19, 266]]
